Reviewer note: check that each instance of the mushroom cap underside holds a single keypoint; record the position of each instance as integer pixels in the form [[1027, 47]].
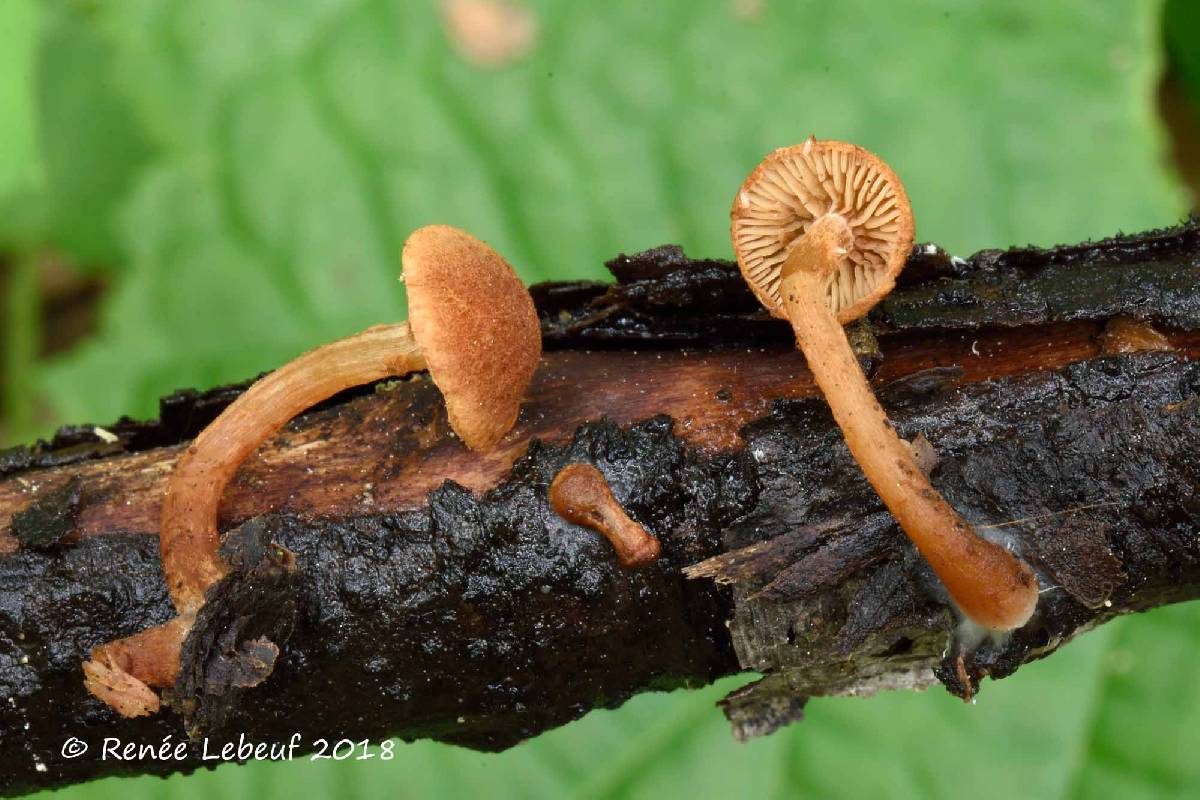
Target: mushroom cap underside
[[476, 326], [794, 186]]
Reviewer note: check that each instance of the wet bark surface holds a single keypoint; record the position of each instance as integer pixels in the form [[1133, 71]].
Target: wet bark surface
[[436, 593]]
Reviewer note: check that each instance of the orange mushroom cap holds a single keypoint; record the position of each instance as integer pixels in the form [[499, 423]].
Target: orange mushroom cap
[[476, 326]]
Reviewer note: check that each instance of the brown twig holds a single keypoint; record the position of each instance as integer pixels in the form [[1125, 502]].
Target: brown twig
[[417, 601]]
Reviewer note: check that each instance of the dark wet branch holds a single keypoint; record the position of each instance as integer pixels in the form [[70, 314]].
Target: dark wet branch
[[477, 616]]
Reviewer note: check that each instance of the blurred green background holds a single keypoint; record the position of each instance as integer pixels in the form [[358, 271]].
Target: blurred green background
[[194, 192]]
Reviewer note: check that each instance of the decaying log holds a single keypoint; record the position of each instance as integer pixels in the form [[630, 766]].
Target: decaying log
[[438, 595]]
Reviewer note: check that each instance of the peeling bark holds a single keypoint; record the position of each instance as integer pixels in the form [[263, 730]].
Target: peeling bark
[[436, 593]]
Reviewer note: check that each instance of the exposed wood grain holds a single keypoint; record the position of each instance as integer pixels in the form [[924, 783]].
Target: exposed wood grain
[[387, 453]]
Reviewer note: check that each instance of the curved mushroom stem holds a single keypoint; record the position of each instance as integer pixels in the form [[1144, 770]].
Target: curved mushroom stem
[[188, 535], [121, 672], [990, 585]]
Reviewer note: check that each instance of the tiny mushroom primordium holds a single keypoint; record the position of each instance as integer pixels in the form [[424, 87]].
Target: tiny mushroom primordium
[[580, 494]]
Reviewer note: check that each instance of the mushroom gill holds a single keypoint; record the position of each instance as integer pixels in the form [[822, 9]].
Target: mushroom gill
[[793, 187]]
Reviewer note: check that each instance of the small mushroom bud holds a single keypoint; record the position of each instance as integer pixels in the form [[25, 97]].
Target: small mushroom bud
[[1128, 335], [472, 324], [821, 230], [580, 494]]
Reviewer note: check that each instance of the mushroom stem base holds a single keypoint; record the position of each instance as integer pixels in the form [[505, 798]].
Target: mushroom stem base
[[990, 585], [121, 672], [125, 672]]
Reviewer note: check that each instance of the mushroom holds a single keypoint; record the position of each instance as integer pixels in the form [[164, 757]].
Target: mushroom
[[472, 324], [821, 230], [580, 494]]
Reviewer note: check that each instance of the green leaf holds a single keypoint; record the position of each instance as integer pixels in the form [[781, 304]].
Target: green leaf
[[90, 144], [19, 158], [1181, 26], [315, 135], [1144, 730], [296, 143]]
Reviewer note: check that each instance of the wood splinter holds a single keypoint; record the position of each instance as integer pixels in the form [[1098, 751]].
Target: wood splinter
[[580, 494]]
